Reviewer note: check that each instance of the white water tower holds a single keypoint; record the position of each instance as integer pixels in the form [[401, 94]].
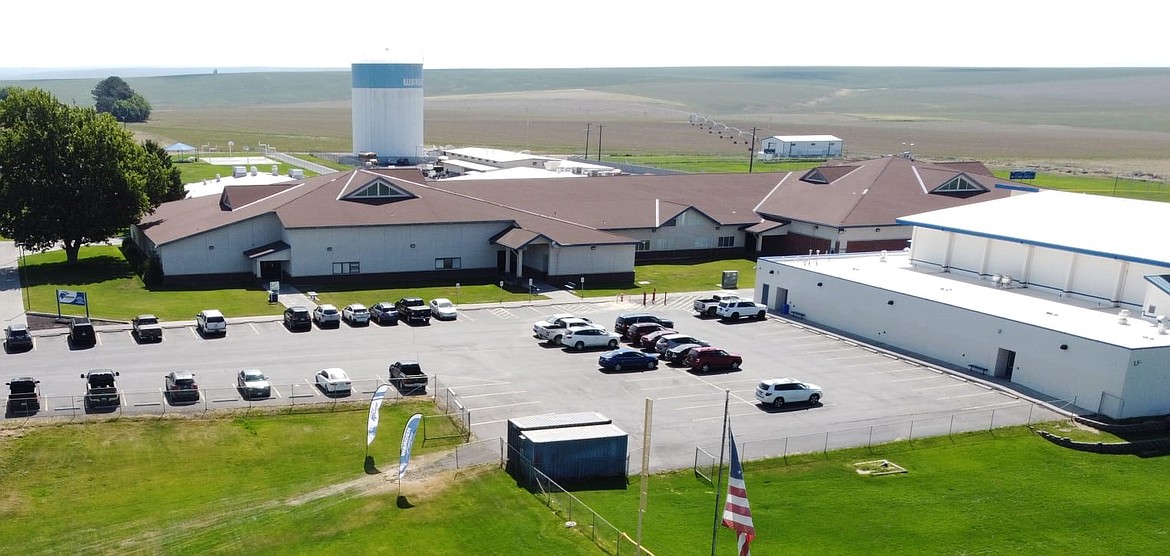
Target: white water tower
[[387, 100]]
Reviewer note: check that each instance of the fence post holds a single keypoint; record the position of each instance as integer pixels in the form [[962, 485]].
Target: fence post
[[1030, 408], [951, 430], [869, 443], [911, 433], [991, 425]]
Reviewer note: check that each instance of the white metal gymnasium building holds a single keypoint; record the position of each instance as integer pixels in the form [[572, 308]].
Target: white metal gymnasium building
[[1060, 293]]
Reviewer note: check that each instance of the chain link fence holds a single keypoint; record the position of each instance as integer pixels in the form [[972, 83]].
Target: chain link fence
[[576, 513], [705, 465]]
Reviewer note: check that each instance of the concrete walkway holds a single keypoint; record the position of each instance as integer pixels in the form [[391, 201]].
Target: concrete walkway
[[11, 294]]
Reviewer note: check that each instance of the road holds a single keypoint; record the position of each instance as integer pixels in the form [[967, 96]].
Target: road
[[490, 361]]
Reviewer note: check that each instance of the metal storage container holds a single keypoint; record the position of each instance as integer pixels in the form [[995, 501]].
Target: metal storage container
[[572, 454], [550, 421]]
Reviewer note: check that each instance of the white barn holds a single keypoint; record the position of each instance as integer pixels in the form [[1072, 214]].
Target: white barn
[[1060, 293], [801, 146]]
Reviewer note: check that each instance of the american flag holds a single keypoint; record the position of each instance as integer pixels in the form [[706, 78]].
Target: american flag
[[736, 513]]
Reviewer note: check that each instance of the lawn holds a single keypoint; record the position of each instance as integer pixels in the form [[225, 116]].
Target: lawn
[[1111, 187], [241, 485], [114, 291], [1007, 491], [684, 276], [199, 171]]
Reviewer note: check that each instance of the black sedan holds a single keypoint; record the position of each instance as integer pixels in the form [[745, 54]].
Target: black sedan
[[626, 358]]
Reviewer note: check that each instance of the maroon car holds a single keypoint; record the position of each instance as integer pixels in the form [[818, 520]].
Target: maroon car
[[706, 358], [635, 331], [647, 341]]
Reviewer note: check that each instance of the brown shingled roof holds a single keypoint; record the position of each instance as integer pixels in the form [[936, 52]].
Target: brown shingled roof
[[874, 192]]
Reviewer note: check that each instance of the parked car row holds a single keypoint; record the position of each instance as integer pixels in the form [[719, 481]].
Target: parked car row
[[656, 335], [180, 387]]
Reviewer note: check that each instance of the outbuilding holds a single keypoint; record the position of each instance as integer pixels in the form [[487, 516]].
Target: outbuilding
[[801, 146]]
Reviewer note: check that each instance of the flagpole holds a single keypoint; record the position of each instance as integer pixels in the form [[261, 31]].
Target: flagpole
[[719, 475]]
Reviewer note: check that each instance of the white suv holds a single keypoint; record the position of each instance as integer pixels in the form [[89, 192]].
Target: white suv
[[589, 336], [327, 314], [210, 321], [779, 391]]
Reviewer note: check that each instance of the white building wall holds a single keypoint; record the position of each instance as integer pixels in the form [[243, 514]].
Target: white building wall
[[691, 230], [1049, 269], [1082, 372], [930, 246], [1147, 383], [389, 248], [220, 251], [967, 254], [1156, 302], [1095, 278], [582, 260], [1006, 258]]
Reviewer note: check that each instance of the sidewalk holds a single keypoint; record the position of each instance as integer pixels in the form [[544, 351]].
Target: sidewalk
[[11, 294]]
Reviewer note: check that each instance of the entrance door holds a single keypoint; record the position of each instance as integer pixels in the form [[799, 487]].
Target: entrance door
[[270, 270], [781, 301], [1005, 361]]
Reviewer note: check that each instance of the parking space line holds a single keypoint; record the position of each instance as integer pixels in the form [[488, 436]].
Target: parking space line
[[683, 396], [474, 384], [866, 355], [464, 397], [276, 392], [254, 329], [1013, 402], [968, 395], [937, 387], [697, 419], [916, 378], [500, 406]]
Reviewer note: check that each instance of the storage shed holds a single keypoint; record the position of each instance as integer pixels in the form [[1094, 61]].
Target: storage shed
[[801, 146], [570, 454], [520, 425]]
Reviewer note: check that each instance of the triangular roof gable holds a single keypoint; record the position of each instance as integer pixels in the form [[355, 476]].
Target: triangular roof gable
[[827, 174], [960, 185], [374, 188]]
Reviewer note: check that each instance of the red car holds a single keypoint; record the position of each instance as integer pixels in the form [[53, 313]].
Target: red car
[[635, 331], [706, 358]]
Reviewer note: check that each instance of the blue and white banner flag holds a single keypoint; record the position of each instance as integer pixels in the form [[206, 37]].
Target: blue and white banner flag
[[375, 407], [407, 443]]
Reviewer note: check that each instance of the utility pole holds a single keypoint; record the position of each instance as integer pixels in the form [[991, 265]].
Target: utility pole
[[752, 150], [599, 127], [587, 126]]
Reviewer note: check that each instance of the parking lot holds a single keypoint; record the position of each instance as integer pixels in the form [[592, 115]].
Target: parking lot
[[490, 361]]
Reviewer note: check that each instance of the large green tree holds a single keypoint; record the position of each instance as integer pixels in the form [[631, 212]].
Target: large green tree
[[113, 96], [71, 175], [167, 185]]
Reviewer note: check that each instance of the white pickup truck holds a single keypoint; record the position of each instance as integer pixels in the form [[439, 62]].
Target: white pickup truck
[[706, 306], [741, 308], [553, 328]]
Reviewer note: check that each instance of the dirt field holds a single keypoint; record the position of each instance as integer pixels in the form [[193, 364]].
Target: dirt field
[[554, 121]]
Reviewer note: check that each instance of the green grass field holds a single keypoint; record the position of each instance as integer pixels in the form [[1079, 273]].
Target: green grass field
[[1008, 491], [255, 484], [683, 276], [272, 484], [1109, 187]]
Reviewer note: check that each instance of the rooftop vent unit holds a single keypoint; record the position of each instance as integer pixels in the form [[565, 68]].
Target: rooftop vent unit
[[1161, 324], [1123, 316]]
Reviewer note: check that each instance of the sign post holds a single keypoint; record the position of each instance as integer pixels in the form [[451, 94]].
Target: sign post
[[70, 297]]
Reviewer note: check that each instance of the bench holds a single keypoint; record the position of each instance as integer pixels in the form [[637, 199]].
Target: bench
[[312, 296], [796, 314], [978, 369]]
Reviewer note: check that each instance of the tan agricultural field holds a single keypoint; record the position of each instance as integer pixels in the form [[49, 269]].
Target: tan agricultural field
[[1104, 121]]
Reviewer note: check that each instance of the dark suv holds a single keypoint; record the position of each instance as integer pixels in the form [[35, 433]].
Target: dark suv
[[624, 320], [181, 387], [81, 332], [298, 318]]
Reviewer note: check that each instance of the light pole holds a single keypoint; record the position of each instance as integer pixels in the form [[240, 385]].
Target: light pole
[[230, 145]]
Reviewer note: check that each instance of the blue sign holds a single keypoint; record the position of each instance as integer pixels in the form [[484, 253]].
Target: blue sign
[[71, 297], [1022, 175]]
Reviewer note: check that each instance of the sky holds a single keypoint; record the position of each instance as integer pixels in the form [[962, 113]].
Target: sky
[[599, 34]]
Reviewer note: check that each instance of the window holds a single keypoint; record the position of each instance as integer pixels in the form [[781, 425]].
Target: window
[[449, 263], [671, 222], [959, 186], [815, 176], [727, 241], [379, 190], [643, 245], [347, 268]]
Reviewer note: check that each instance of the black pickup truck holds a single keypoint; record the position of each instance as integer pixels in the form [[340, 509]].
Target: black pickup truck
[[24, 396], [413, 309], [407, 375], [100, 390]]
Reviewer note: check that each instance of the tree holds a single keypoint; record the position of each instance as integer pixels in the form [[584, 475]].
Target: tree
[[113, 96], [70, 175], [168, 185]]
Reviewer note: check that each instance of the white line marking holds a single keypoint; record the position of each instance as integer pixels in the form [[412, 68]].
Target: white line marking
[[916, 378], [465, 397], [499, 406], [683, 396], [937, 387]]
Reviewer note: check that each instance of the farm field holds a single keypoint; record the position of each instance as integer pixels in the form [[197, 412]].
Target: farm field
[[1103, 122]]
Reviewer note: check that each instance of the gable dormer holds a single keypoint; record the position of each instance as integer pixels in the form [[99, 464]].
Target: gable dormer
[[379, 191], [959, 186]]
